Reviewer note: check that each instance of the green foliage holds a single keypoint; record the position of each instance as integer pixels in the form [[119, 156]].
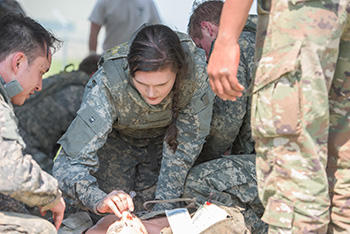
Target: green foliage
[[57, 66]]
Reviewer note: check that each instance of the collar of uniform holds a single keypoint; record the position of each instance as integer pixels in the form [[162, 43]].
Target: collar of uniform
[[4, 95], [2, 80], [13, 88]]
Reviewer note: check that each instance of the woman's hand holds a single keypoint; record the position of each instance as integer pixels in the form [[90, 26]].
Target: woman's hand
[[116, 202]]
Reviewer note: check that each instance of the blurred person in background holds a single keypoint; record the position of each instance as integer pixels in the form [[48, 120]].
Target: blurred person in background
[[120, 18]]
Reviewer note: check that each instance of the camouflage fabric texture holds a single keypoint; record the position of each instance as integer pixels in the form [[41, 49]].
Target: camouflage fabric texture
[[229, 181], [114, 114], [300, 115], [46, 115], [9, 204], [21, 178], [230, 126], [13, 223], [10, 7], [130, 167]]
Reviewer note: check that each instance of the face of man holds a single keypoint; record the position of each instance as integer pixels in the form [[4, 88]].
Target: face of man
[[209, 32], [30, 76]]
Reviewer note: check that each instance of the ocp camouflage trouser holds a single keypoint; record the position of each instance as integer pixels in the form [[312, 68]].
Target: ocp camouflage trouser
[[301, 115], [13, 223]]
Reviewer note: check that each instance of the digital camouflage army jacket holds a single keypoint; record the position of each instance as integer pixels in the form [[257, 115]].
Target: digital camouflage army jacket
[[20, 176], [112, 102]]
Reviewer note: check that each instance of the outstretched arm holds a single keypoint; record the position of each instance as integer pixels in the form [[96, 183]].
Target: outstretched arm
[[224, 61]]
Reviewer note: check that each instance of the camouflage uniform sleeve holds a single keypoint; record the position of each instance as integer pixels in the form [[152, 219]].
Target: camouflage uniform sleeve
[[228, 116], [88, 132], [193, 126], [246, 65], [21, 177]]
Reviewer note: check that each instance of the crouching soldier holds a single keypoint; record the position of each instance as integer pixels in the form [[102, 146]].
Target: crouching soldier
[[25, 55]]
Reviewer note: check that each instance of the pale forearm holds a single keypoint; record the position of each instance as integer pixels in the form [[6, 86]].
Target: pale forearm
[[93, 38], [233, 18]]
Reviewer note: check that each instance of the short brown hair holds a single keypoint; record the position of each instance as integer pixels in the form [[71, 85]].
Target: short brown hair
[[207, 11], [20, 33]]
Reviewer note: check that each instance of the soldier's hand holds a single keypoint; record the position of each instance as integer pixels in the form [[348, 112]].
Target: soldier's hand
[[116, 202], [57, 213], [222, 70]]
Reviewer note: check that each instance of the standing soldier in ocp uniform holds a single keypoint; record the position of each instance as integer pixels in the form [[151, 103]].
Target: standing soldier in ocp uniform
[[25, 55], [300, 108]]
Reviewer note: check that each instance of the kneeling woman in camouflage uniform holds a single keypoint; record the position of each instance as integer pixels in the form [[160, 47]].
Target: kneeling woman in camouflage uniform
[[142, 123]]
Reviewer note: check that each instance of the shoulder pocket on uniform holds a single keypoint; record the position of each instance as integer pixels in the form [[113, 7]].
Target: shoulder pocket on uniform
[[87, 125], [93, 120], [202, 101]]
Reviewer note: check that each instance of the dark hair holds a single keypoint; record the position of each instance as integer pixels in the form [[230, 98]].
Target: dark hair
[[154, 48], [207, 11], [20, 33], [10, 7], [89, 64]]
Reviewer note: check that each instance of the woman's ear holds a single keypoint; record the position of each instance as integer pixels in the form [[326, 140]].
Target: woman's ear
[[18, 61]]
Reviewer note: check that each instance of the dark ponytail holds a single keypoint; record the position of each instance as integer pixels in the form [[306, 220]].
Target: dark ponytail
[[154, 48]]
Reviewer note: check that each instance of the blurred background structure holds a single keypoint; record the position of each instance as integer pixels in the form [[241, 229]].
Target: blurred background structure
[[68, 20]]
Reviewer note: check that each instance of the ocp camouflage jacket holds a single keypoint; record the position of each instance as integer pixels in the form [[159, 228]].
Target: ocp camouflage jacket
[[20, 176]]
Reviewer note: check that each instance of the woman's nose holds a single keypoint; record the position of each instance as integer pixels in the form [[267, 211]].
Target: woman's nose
[[150, 91]]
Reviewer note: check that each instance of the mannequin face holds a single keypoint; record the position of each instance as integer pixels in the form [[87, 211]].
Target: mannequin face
[[29, 76], [154, 86], [209, 32], [128, 224]]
